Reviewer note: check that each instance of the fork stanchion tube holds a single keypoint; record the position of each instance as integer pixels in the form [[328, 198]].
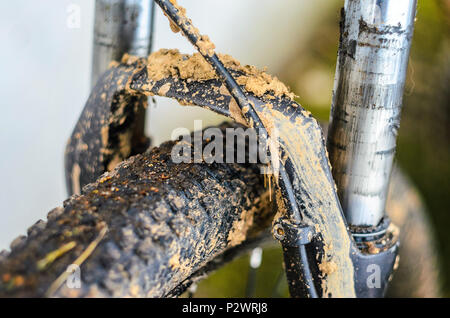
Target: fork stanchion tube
[[367, 99], [120, 26]]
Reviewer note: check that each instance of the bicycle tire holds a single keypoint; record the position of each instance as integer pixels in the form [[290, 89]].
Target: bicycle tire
[[127, 256], [164, 221]]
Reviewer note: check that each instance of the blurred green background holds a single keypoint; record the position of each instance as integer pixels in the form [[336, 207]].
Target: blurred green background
[[423, 144]]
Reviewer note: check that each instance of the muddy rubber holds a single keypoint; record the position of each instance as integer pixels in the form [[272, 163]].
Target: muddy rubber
[[142, 228]]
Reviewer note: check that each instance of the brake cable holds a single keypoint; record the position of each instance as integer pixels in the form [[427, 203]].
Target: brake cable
[[176, 15]]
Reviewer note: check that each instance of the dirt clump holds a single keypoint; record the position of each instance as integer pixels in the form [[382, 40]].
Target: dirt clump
[[166, 62]]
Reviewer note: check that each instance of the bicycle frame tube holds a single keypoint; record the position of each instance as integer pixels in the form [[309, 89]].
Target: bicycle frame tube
[[121, 26], [367, 99]]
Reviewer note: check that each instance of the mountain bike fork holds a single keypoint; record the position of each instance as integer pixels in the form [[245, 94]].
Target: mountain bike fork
[[375, 39], [370, 75]]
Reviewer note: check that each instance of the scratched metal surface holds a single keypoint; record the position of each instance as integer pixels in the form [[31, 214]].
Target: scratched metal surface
[[367, 100]]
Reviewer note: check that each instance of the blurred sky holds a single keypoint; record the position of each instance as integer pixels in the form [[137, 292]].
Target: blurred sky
[[45, 82]]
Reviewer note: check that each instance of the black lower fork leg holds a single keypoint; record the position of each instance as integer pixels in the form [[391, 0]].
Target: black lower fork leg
[[374, 255], [375, 258], [295, 270], [294, 238]]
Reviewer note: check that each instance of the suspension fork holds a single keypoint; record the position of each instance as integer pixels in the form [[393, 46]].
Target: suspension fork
[[365, 116], [124, 26], [120, 26]]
